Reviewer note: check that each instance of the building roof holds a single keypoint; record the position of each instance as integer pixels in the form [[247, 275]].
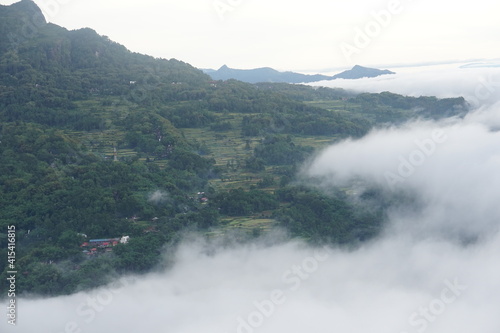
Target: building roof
[[103, 240]]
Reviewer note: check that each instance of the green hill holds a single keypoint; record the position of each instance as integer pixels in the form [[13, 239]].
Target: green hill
[[99, 142]]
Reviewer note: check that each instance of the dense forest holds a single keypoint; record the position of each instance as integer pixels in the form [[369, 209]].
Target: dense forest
[[99, 142]]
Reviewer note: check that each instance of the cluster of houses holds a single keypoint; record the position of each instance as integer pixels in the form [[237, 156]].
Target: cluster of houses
[[93, 246]]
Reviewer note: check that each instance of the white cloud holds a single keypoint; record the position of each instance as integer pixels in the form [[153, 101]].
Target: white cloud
[[377, 288], [158, 197], [479, 86], [452, 167]]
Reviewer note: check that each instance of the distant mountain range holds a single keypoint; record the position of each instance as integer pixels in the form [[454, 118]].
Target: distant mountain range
[[267, 74], [358, 72]]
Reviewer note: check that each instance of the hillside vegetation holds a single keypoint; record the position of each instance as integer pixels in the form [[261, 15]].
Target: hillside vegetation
[[99, 142]]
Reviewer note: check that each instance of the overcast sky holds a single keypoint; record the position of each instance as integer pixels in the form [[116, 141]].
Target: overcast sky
[[291, 35]]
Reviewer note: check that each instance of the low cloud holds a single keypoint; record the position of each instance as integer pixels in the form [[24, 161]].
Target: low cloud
[[392, 285], [451, 166], [479, 86], [158, 197]]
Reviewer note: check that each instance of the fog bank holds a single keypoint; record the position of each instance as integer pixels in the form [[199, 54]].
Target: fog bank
[[479, 86]]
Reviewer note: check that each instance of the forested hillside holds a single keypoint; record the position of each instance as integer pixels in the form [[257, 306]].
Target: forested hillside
[[98, 142]]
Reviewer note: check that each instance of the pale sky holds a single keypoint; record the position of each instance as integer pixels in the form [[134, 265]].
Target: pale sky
[[314, 35]]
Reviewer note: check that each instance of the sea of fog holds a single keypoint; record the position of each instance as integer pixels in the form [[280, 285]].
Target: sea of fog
[[433, 269]]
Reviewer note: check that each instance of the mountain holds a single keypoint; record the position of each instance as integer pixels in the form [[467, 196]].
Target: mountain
[[267, 74], [358, 72], [45, 60], [18, 21], [264, 74], [97, 142]]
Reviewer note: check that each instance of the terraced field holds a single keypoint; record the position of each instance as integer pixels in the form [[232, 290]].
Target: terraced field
[[229, 148]]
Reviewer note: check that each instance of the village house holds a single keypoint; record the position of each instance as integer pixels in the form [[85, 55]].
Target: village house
[[92, 246]]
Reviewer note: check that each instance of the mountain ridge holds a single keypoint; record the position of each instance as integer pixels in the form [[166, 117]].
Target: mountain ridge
[[359, 72], [268, 74]]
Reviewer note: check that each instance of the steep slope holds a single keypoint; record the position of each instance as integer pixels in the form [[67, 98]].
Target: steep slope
[[19, 22], [53, 65]]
